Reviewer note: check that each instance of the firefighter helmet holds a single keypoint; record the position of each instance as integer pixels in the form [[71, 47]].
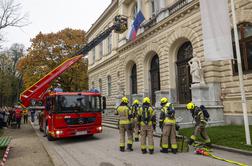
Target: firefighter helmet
[[164, 100], [146, 100], [125, 100], [190, 106], [135, 102]]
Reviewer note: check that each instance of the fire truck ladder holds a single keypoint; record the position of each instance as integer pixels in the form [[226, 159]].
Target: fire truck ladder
[[39, 88]]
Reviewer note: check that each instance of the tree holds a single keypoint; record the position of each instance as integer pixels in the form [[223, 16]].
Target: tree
[[10, 15], [10, 80], [50, 50]]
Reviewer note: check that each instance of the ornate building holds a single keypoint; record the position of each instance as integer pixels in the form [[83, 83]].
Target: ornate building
[[156, 63]]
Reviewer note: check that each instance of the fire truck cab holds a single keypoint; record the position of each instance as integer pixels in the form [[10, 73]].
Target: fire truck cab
[[68, 114]]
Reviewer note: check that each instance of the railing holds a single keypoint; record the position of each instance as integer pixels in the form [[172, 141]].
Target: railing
[[167, 11]]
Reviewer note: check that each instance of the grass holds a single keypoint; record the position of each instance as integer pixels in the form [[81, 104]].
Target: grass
[[230, 136]]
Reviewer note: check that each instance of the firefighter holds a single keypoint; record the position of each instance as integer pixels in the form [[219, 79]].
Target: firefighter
[[167, 124], [147, 120], [200, 124], [135, 109], [125, 125]]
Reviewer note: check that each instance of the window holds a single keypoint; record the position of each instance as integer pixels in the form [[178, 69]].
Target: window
[[100, 85], [93, 55], [134, 11], [110, 43], [153, 7], [133, 80], [93, 85], [245, 41], [109, 85], [101, 49]]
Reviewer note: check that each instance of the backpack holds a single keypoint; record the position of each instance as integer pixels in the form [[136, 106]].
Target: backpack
[[205, 112]]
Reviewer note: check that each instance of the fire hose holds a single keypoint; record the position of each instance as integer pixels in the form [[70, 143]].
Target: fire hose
[[205, 152]]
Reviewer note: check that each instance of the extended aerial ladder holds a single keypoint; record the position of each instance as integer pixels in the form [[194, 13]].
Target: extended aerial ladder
[[36, 91]]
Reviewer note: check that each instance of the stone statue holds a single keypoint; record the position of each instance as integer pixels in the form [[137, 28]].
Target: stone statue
[[196, 71]]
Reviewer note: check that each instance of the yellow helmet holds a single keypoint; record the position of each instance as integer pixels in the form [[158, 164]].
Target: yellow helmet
[[125, 100], [135, 102], [146, 100], [164, 100], [190, 106]]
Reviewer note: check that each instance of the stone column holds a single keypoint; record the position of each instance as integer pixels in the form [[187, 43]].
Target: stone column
[[122, 11]]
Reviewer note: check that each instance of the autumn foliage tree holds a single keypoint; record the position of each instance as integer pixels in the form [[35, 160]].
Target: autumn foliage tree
[[50, 50]]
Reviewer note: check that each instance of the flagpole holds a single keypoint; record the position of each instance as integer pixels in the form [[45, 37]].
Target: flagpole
[[243, 98]]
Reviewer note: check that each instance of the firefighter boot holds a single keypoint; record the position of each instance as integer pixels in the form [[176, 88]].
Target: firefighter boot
[[122, 149], [144, 151], [174, 151], [151, 151], [129, 147], [164, 150], [136, 139]]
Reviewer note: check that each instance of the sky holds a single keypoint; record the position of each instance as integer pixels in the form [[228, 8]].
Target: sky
[[48, 16]]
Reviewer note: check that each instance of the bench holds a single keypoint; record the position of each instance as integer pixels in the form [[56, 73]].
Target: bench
[[4, 142]]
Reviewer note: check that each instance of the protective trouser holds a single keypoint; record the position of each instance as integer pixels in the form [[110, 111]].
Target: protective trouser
[[147, 131], [200, 129], [169, 132], [122, 129], [136, 128]]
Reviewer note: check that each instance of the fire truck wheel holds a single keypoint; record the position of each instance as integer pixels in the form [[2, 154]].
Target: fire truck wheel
[[49, 137]]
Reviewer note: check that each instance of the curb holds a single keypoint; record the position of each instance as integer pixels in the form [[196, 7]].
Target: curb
[[228, 149], [56, 161], [244, 152]]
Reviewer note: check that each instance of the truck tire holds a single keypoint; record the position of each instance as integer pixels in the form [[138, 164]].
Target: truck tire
[[49, 137]]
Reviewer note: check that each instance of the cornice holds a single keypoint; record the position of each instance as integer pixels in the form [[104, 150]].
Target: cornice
[[160, 26]]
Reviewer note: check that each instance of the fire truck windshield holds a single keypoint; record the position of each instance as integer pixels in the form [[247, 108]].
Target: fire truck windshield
[[78, 103]]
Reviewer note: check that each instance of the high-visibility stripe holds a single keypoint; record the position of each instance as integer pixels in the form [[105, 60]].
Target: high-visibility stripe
[[130, 142], [124, 121], [151, 147], [167, 120], [193, 137], [174, 146], [143, 147], [122, 145], [164, 145]]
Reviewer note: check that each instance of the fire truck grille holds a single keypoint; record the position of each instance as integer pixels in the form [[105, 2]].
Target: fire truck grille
[[79, 121]]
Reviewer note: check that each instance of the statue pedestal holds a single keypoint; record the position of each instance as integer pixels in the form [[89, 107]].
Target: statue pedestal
[[206, 94]]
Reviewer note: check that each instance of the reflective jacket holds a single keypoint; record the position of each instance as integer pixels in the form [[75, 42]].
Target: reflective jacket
[[146, 115], [199, 117], [135, 108], [167, 114], [124, 114]]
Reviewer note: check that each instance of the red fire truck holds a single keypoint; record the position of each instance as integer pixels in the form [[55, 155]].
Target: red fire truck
[[67, 114]]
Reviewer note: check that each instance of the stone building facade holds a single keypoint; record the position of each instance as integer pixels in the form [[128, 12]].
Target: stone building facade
[[156, 63]]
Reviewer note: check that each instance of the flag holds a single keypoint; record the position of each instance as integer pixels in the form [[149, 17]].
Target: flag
[[135, 26], [216, 30]]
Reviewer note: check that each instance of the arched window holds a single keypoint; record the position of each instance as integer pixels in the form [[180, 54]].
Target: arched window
[[183, 73], [100, 85], [109, 85], [155, 77], [133, 78], [245, 41]]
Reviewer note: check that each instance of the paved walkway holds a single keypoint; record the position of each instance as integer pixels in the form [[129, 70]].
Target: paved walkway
[[27, 149]]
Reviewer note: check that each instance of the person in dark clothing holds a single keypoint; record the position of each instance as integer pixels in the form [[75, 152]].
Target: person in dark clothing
[[18, 115]]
